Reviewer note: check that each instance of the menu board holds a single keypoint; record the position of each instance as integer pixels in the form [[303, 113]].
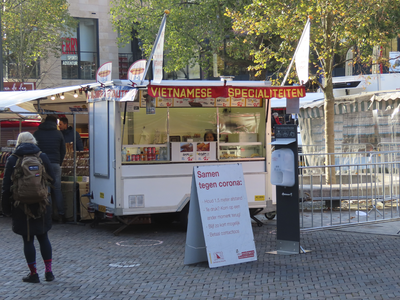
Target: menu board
[[203, 151], [238, 102], [193, 151], [186, 151], [223, 102], [253, 102], [202, 102], [164, 102]]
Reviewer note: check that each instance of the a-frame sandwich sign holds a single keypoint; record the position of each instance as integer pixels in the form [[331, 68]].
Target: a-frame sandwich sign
[[219, 228]]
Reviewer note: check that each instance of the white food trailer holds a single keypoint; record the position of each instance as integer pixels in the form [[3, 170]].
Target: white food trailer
[[142, 152]]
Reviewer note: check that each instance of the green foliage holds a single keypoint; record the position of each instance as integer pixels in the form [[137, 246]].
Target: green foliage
[[195, 30], [336, 27], [32, 30]]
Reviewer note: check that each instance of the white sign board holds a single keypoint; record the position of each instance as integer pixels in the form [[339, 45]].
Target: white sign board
[[219, 228], [394, 60]]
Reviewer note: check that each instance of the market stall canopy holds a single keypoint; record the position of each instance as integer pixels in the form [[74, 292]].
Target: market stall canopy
[[13, 116], [309, 99], [21, 98], [353, 103], [185, 89]]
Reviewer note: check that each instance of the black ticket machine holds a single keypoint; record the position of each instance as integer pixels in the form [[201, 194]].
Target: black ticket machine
[[284, 175]]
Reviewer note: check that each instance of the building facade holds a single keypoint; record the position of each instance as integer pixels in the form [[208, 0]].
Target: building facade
[[93, 43]]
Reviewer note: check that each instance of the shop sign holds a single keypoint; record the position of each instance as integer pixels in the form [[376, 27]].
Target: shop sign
[[19, 86], [136, 70], [69, 45], [102, 94], [104, 72], [196, 92], [219, 228]]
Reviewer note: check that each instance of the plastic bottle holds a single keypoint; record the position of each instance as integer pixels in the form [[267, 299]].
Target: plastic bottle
[[123, 153], [128, 156]]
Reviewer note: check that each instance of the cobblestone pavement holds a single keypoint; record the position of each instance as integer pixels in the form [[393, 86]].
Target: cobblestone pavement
[[146, 262]]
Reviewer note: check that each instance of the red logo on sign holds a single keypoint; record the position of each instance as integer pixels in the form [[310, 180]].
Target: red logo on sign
[[246, 254], [218, 257]]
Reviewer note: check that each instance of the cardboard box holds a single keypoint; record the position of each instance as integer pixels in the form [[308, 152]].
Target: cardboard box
[[242, 137], [84, 186], [84, 214], [68, 198]]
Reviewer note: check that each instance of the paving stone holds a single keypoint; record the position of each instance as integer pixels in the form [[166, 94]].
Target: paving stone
[[92, 263]]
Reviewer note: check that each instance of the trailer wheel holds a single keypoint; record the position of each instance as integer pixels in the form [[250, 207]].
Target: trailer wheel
[[184, 217], [270, 215]]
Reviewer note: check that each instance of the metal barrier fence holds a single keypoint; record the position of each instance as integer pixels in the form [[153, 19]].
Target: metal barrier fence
[[365, 187]]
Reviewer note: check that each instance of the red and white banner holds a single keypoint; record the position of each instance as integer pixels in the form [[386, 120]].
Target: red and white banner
[[193, 92], [136, 70], [158, 56], [104, 72]]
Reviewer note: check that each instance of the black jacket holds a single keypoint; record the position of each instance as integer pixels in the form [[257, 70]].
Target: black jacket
[[51, 141], [69, 138], [19, 225]]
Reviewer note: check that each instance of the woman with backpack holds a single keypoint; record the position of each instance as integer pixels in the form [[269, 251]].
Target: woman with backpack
[[34, 219]]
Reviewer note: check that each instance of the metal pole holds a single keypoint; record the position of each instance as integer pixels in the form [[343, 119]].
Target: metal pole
[[1, 50], [123, 125], [74, 186]]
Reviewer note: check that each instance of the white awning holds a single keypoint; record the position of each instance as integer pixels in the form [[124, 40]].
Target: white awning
[[21, 98], [380, 100]]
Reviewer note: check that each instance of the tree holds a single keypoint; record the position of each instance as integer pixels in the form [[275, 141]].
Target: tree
[[32, 30], [338, 26], [195, 31]]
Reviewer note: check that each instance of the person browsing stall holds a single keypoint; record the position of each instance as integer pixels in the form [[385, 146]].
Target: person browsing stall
[[51, 141], [22, 224], [68, 133]]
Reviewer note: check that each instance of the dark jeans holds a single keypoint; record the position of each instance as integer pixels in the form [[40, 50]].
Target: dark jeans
[[56, 194]]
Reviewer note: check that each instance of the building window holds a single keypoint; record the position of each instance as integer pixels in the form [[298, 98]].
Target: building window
[[128, 54], [80, 52]]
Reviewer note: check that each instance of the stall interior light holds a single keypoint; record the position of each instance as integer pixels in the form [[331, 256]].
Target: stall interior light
[[53, 97], [75, 94], [62, 97]]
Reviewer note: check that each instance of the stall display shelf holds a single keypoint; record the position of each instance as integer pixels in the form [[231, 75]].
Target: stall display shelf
[[144, 162], [82, 164], [144, 145], [241, 144], [240, 151], [145, 153]]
